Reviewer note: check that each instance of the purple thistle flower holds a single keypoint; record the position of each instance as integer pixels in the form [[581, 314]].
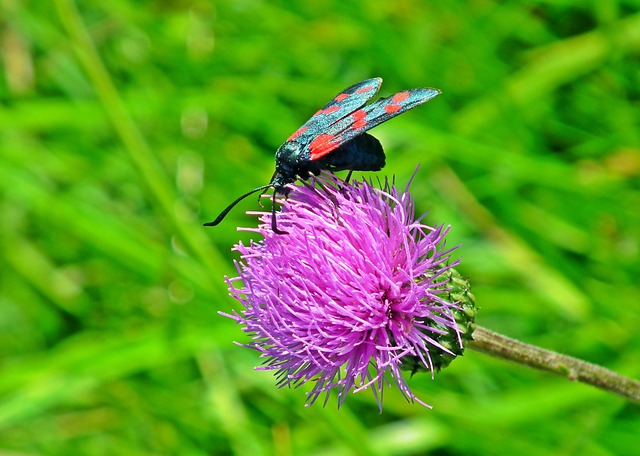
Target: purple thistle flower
[[356, 285]]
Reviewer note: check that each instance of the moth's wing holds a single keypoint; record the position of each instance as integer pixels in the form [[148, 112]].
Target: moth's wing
[[366, 118]]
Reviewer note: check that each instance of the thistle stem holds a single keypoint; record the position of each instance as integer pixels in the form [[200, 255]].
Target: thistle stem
[[492, 343]]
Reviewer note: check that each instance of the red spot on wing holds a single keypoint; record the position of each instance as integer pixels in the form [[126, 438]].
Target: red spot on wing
[[321, 146], [390, 109], [400, 97], [321, 138], [364, 89], [342, 96], [297, 133], [359, 119], [330, 109], [327, 111]]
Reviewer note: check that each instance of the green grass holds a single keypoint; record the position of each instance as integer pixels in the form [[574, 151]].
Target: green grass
[[125, 125]]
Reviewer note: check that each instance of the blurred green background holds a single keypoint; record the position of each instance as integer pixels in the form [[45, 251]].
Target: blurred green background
[[124, 125]]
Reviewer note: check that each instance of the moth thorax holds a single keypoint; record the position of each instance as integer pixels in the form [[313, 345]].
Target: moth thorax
[[289, 152]]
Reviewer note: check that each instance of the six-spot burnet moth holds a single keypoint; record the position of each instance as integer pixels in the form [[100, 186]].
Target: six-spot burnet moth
[[334, 138]]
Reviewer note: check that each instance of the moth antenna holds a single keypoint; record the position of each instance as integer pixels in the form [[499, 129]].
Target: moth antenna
[[224, 213]]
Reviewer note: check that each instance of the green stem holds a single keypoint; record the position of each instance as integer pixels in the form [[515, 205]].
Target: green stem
[[492, 343]]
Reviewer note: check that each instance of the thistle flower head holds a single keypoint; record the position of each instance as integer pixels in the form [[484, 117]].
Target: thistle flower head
[[356, 288]]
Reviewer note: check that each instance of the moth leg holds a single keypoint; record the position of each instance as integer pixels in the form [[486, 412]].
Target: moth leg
[[274, 222], [260, 196], [349, 176]]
